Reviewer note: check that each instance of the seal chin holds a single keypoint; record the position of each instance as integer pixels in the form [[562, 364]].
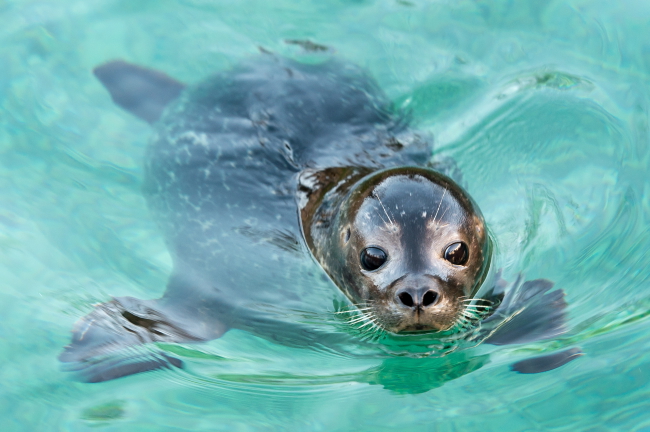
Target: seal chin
[[415, 322], [421, 327]]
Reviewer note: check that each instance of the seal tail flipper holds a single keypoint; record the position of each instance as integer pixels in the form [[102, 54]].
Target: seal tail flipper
[[143, 92], [108, 342]]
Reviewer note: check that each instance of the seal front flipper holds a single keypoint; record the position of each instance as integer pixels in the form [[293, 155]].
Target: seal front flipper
[[143, 92], [121, 364], [527, 314], [108, 342], [547, 362]]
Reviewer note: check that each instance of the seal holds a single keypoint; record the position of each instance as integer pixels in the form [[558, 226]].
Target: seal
[[253, 166]]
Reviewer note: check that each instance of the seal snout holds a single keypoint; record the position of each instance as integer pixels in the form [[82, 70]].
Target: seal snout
[[417, 297]]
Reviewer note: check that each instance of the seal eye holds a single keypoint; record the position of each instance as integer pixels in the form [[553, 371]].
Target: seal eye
[[372, 258], [457, 253]]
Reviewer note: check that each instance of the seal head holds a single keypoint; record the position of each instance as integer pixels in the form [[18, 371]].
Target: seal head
[[407, 245]]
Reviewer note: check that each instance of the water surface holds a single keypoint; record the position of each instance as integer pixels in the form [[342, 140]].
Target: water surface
[[543, 104]]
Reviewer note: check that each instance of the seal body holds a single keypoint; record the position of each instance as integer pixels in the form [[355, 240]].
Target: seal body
[[224, 170], [255, 168], [228, 158]]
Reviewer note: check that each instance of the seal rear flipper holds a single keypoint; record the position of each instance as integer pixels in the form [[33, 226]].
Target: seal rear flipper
[[143, 92], [105, 342], [528, 314]]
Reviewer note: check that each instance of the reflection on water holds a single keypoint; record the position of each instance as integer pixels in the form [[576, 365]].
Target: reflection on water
[[544, 107]]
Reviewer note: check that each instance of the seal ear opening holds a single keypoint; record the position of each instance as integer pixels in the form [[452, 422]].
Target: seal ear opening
[[143, 92]]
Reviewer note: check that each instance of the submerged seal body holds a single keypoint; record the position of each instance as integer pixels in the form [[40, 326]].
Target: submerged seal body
[[248, 166]]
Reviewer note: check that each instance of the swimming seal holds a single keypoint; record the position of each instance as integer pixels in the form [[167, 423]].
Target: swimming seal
[[249, 166]]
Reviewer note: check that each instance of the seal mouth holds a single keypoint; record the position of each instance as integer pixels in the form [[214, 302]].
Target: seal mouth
[[372, 319], [466, 314]]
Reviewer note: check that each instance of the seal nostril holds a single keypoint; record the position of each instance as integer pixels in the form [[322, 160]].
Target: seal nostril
[[429, 298], [406, 299]]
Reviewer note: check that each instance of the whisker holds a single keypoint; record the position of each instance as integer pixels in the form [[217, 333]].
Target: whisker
[[470, 315], [360, 317], [382, 206], [443, 215], [476, 299], [383, 220], [353, 311], [368, 323], [358, 320], [440, 203]]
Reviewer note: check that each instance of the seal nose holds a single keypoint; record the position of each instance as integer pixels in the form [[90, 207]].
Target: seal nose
[[418, 297]]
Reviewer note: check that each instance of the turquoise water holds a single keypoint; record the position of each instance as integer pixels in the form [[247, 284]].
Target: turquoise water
[[544, 105]]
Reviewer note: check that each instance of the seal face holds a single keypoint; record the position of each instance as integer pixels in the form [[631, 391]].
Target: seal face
[[407, 245]]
